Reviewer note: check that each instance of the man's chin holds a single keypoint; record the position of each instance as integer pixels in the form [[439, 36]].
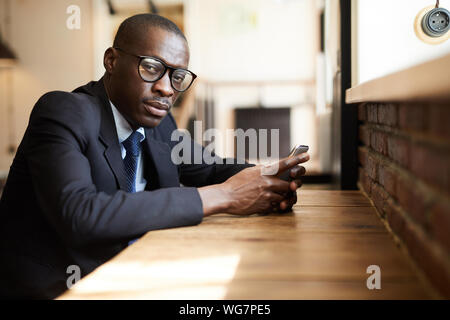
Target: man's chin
[[151, 121]]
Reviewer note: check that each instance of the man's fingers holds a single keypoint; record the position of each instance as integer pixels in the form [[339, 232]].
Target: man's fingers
[[279, 167], [288, 203], [273, 197], [288, 163], [297, 171], [295, 184], [278, 185]]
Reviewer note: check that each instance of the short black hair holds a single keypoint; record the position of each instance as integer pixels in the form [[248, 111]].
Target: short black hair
[[133, 27]]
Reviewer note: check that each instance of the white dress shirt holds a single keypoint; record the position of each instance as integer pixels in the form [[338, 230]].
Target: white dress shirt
[[124, 130]]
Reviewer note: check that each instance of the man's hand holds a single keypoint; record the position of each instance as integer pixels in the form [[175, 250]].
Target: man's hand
[[290, 198], [250, 191]]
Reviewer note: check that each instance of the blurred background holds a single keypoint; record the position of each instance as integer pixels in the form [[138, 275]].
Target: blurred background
[[261, 63], [277, 64]]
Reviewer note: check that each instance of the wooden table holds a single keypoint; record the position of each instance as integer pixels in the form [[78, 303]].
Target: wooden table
[[319, 251]]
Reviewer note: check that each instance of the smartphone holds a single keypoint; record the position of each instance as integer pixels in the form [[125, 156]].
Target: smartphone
[[298, 149]]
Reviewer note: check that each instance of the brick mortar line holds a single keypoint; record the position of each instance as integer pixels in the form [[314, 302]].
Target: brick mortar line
[[440, 195], [408, 219], [412, 136], [433, 199], [421, 275]]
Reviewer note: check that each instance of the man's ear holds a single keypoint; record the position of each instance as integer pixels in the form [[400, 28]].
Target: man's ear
[[110, 60]]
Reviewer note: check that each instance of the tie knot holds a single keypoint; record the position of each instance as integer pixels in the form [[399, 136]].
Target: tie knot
[[132, 143]]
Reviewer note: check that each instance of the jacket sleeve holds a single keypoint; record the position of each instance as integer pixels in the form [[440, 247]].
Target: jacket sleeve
[[196, 169], [203, 174], [57, 136]]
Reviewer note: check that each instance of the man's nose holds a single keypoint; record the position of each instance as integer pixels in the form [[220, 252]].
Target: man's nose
[[163, 86]]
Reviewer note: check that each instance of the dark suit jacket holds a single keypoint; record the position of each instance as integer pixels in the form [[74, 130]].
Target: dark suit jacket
[[63, 203]]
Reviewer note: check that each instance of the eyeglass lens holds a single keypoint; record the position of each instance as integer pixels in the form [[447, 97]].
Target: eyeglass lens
[[152, 70]]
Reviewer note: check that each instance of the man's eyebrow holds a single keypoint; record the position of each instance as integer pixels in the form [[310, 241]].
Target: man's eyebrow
[[169, 64]]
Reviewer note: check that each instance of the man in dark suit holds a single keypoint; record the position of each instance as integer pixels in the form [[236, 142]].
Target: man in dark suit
[[94, 169]]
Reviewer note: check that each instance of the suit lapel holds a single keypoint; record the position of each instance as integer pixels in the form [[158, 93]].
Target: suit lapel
[[156, 151], [166, 171], [108, 137], [112, 153]]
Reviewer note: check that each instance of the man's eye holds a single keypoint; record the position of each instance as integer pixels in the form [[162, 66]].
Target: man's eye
[[151, 68], [178, 77]]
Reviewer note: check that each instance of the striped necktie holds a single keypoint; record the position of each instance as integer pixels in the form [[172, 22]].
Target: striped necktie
[[132, 146]]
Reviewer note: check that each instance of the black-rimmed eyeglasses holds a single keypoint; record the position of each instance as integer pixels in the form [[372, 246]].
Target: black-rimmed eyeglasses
[[151, 69]]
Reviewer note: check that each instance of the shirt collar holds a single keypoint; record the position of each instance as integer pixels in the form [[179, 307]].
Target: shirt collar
[[122, 126]]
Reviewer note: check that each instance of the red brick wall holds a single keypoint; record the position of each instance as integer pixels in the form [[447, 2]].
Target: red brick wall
[[404, 158]]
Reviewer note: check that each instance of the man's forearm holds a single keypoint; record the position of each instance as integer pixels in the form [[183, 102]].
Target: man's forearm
[[224, 171], [214, 199]]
